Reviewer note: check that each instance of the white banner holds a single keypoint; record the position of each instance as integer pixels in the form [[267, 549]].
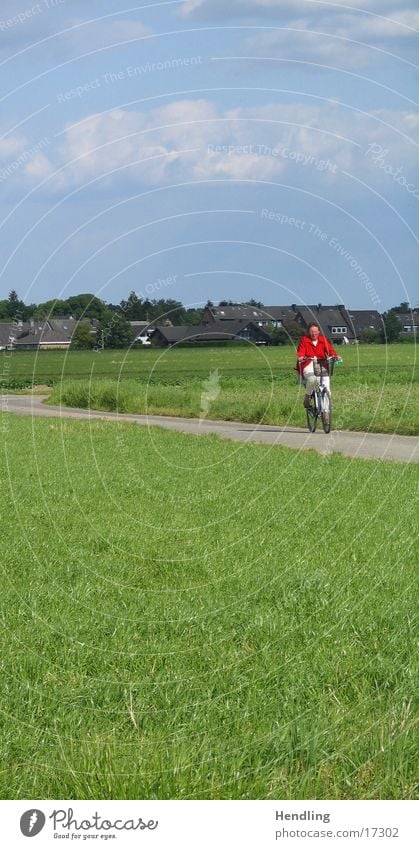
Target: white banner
[[212, 824]]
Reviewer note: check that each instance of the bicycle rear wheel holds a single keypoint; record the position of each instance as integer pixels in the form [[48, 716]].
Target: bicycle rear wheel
[[326, 411]]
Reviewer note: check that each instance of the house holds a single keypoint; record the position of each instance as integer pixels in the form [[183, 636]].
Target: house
[[9, 331], [364, 320], [409, 322], [334, 321], [45, 334], [233, 312], [142, 331], [279, 316], [273, 316], [211, 332]]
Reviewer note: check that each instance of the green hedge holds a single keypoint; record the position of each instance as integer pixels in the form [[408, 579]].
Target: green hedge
[[22, 383]]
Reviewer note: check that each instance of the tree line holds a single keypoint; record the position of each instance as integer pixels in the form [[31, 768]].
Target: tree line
[[115, 331], [90, 307]]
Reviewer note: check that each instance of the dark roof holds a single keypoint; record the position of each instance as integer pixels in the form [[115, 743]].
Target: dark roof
[[54, 336], [46, 331], [408, 319], [327, 317], [238, 311], [280, 313], [364, 319], [7, 330], [140, 325], [217, 331], [140, 328], [46, 338], [247, 312], [334, 311], [65, 326]]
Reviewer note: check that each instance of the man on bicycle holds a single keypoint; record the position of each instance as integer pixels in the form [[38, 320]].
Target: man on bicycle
[[313, 344]]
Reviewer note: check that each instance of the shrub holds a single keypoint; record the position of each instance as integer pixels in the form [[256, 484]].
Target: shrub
[[369, 335]]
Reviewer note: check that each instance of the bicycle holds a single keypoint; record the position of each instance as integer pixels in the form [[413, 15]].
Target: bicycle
[[320, 398]]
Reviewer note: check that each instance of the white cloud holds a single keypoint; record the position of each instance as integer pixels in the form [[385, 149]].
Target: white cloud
[[397, 25], [325, 33], [243, 143], [17, 157], [10, 145], [246, 8], [57, 33], [305, 46], [345, 41], [39, 168]]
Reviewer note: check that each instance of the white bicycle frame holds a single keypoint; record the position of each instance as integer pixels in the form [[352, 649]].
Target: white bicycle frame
[[320, 390]]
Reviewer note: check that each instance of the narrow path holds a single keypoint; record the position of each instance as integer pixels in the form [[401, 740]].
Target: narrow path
[[375, 446]]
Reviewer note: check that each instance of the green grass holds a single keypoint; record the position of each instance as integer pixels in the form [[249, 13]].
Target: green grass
[[375, 388], [162, 365], [358, 404], [183, 617]]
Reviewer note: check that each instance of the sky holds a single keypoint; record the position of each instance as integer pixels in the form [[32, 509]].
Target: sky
[[204, 149]]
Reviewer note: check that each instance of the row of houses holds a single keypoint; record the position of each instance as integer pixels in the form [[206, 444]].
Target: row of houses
[[54, 333], [336, 322], [339, 324], [222, 323]]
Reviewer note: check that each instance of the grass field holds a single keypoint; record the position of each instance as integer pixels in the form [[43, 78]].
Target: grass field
[[187, 618], [168, 365], [375, 389]]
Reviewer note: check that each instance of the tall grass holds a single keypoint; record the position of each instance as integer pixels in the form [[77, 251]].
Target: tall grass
[[359, 404]]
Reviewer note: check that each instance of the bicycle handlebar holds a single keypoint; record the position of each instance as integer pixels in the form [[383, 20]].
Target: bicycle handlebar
[[303, 359]]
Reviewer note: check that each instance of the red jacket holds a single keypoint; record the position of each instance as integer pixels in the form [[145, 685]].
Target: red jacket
[[306, 348]]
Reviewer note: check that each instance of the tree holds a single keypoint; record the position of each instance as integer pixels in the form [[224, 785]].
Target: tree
[[115, 333], [392, 328], [402, 308], [133, 308], [279, 336], [165, 310], [82, 338], [15, 308], [293, 330], [168, 308], [253, 303], [193, 317], [86, 306], [49, 309], [369, 335]]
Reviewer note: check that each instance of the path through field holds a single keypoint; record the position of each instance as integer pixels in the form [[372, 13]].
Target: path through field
[[376, 446]]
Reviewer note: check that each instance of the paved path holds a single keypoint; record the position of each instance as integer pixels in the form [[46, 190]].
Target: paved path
[[376, 446]]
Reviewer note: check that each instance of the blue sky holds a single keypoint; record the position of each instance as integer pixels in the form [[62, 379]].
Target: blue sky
[[203, 149]]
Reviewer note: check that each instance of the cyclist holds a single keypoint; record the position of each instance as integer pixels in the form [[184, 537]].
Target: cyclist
[[313, 344]]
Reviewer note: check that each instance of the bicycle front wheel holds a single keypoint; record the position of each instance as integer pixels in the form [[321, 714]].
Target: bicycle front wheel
[[312, 415], [326, 411]]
